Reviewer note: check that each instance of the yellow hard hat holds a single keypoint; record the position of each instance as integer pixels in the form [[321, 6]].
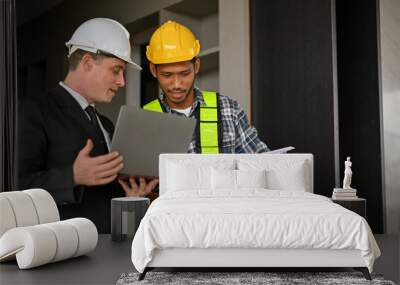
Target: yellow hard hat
[[172, 42]]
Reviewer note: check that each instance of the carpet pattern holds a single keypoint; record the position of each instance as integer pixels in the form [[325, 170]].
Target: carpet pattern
[[231, 278]]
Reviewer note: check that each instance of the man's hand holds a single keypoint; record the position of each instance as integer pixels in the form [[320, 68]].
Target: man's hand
[[97, 170], [141, 190]]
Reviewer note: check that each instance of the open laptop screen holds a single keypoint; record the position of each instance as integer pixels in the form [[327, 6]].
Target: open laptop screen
[[141, 136]]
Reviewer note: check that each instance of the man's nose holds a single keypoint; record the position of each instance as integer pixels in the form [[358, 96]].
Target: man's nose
[[121, 80], [176, 82]]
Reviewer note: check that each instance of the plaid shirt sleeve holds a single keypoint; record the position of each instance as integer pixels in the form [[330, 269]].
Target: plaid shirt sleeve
[[236, 126]]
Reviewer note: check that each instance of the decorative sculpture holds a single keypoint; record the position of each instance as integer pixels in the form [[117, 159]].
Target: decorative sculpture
[[347, 174]]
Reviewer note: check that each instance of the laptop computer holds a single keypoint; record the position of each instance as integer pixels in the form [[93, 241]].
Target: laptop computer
[[140, 136]]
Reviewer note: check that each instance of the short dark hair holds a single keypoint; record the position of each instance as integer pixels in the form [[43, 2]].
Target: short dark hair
[[75, 58], [193, 60]]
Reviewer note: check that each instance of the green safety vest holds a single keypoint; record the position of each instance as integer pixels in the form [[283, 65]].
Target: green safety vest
[[208, 135]]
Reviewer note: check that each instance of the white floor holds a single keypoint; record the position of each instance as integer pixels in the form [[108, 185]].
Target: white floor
[[389, 262]]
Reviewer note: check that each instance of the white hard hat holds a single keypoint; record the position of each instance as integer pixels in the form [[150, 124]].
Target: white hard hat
[[102, 35]]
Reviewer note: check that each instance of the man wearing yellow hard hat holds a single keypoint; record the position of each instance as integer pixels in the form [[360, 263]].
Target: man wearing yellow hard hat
[[222, 125]]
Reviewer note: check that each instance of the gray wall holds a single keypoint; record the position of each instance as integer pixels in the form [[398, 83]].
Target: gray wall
[[390, 58], [234, 59]]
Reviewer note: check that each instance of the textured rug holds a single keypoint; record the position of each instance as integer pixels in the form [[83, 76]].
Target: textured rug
[[230, 278]]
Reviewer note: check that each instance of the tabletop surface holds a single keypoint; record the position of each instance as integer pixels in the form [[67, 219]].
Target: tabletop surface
[[104, 265], [349, 200]]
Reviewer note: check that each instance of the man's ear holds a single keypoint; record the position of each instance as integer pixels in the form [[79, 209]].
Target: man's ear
[[153, 69], [86, 62], [197, 65]]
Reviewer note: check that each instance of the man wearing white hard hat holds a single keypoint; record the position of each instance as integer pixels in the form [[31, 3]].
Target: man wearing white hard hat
[[64, 142]]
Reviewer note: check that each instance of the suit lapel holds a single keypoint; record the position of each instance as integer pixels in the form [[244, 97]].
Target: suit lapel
[[108, 126], [74, 112]]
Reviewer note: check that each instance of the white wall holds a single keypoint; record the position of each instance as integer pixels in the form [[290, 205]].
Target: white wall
[[390, 57]]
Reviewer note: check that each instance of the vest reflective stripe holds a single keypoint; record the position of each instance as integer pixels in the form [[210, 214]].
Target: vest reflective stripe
[[210, 150], [208, 114], [209, 137], [208, 123], [154, 106], [210, 98]]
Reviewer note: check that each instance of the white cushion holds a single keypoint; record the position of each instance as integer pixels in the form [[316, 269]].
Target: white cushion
[[26, 208], [67, 240], [7, 218], [251, 178], [223, 179], [185, 178], [278, 162], [34, 244], [87, 233], [227, 179], [40, 244], [186, 174], [282, 173], [45, 205], [171, 178], [292, 179], [23, 208]]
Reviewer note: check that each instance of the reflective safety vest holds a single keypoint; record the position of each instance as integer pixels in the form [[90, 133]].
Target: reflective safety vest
[[208, 129]]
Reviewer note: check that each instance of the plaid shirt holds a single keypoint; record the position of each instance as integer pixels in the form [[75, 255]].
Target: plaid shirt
[[237, 135]]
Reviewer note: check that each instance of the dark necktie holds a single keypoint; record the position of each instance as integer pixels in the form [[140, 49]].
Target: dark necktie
[[95, 124]]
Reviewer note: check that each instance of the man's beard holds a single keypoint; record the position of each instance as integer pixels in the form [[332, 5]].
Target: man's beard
[[179, 90]]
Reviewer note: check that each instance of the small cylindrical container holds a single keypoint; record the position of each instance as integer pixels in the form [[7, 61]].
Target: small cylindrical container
[[126, 214]]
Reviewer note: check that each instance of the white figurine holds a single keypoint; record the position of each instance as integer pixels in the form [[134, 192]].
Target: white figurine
[[347, 174]]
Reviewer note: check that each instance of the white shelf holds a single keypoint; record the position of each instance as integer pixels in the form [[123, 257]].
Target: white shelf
[[209, 59], [209, 51], [195, 8]]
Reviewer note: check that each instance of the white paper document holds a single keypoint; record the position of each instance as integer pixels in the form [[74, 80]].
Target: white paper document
[[281, 150]]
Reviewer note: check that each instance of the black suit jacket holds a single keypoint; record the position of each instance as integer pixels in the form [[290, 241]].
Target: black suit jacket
[[52, 130]]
